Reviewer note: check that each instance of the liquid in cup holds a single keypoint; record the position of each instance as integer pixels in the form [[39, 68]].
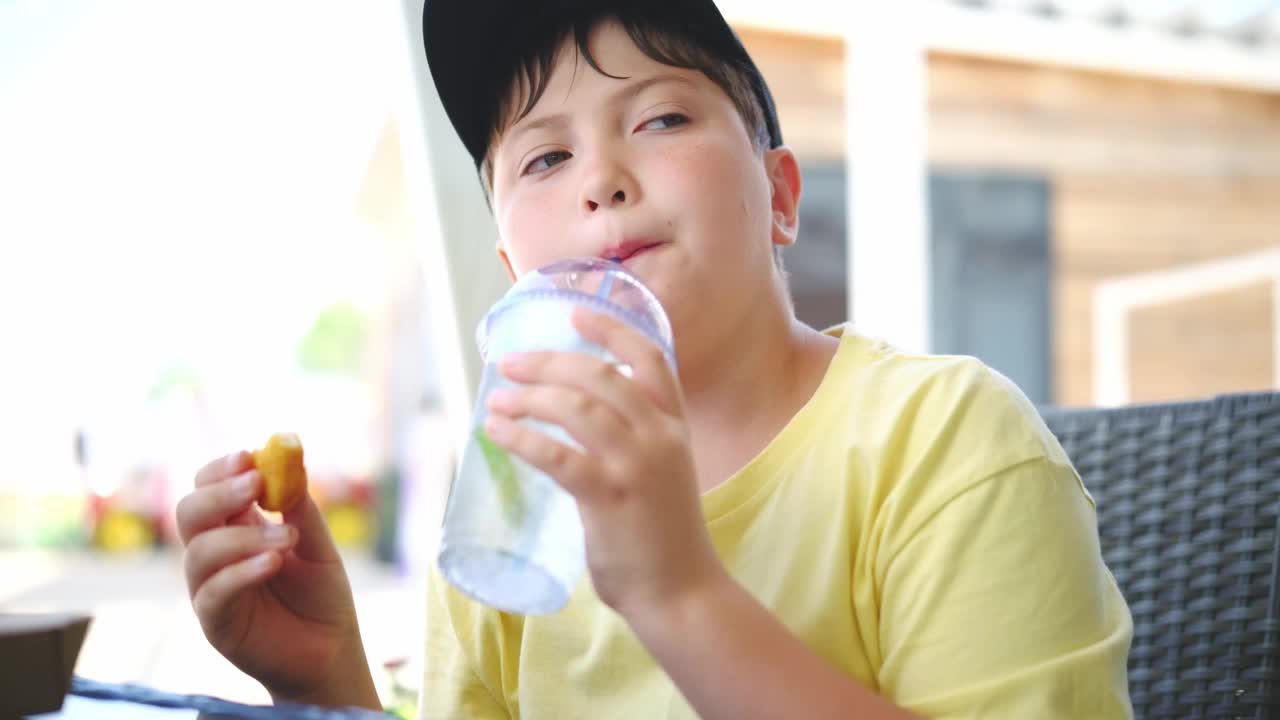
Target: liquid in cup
[[512, 537]]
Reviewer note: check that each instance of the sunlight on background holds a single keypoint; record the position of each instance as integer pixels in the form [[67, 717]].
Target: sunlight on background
[[184, 269], [180, 187]]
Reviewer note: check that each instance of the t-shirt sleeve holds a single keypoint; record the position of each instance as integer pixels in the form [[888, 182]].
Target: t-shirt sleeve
[[999, 604], [452, 685]]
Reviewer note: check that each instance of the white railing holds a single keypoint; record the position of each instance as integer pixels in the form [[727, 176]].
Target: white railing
[[1115, 299]]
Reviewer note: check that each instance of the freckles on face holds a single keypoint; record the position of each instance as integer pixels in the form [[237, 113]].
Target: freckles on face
[[724, 185], [697, 175]]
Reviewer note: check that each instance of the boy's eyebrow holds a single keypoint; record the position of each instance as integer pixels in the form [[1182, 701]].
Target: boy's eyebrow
[[626, 92], [558, 120], [633, 89]]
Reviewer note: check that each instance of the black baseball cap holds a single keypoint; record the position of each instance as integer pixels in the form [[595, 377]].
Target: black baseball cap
[[475, 48]]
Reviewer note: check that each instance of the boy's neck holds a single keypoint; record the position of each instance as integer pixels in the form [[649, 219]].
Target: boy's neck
[[749, 387]]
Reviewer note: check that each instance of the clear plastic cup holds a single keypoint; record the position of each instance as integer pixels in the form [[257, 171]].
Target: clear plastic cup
[[512, 537]]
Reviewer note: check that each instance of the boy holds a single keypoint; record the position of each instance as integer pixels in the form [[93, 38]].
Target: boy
[[801, 525]]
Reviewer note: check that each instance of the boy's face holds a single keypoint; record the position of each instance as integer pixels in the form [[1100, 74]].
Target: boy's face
[[656, 169]]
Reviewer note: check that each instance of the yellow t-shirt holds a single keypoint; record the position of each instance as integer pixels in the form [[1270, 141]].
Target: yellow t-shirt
[[915, 524]]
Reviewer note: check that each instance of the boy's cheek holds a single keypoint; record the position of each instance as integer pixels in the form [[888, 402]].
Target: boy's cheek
[[687, 165], [531, 239], [704, 175]]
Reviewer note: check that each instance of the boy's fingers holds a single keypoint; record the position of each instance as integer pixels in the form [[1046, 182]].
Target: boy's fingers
[[215, 597], [646, 360], [215, 549], [223, 468], [251, 517], [569, 467], [592, 422], [315, 544], [212, 505], [580, 372]]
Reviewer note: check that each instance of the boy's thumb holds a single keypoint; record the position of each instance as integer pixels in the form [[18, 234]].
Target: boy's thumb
[[315, 543]]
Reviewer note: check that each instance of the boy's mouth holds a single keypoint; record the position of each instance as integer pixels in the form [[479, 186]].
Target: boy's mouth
[[629, 249]]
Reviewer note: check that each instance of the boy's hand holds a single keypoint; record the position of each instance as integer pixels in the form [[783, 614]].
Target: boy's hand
[[273, 599], [634, 480]]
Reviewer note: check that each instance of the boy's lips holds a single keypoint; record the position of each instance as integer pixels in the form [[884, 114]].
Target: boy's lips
[[629, 249]]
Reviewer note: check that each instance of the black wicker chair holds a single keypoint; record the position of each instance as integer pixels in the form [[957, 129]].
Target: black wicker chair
[[1188, 498]]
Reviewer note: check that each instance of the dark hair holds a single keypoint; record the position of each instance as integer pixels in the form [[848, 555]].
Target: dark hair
[[662, 39]]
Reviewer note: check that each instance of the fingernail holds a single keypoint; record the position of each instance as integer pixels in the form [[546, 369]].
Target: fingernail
[[264, 561], [243, 485], [233, 461], [278, 534], [500, 398]]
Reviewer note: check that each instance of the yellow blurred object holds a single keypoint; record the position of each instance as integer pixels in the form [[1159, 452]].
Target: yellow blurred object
[[121, 530], [350, 525], [283, 472]]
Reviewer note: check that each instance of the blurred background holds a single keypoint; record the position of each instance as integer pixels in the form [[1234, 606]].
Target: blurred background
[[218, 221]]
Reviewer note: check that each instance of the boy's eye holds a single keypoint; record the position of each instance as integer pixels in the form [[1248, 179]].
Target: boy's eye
[[666, 122], [543, 163]]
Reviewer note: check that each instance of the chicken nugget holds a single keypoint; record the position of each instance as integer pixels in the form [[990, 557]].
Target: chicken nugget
[[283, 473]]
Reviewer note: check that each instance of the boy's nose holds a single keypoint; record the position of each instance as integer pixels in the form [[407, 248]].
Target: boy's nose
[[608, 189], [619, 198]]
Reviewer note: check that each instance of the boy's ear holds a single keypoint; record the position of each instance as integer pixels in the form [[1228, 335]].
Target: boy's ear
[[506, 262], [784, 178]]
